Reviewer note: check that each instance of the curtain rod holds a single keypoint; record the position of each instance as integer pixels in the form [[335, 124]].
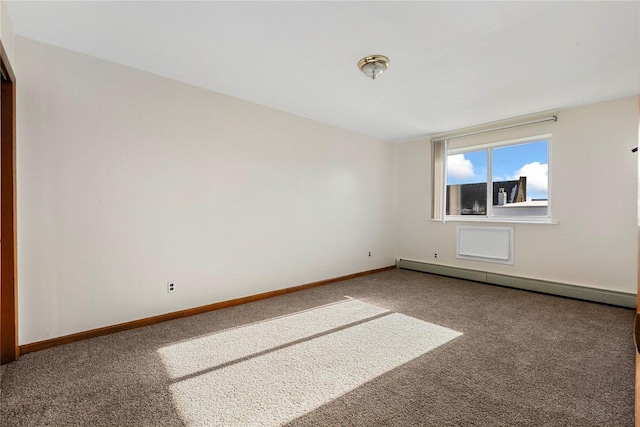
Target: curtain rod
[[547, 119]]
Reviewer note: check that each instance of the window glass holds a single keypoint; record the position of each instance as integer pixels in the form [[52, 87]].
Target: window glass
[[501, 180], [467, 183]]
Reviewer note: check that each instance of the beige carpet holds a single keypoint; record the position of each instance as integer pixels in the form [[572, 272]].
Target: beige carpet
[[398, 348]]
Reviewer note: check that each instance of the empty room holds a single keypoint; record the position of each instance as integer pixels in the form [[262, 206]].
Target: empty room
[[261, 213]]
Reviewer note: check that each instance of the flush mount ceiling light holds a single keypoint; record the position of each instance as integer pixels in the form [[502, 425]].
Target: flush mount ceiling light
[[374, 65]]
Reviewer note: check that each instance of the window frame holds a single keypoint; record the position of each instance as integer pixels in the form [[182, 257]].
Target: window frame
[[490, 216]]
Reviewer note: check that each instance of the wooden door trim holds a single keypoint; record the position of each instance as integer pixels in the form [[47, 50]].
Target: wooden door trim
[[9, 350], [636, 323]]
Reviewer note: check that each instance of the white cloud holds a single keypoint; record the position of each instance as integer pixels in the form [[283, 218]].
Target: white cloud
[[537, 176], [459, 167]]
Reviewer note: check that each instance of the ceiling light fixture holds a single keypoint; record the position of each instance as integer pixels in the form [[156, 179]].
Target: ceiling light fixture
[[374, 65]]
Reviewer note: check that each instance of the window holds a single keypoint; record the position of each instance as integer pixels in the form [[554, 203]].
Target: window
[[500, 180]]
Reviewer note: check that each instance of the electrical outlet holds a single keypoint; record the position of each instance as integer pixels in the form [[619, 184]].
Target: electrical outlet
[[435, 256], [369, 253], [171, 287]]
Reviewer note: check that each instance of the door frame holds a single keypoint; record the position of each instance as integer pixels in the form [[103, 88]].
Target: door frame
[[9, 350], [636, 323]]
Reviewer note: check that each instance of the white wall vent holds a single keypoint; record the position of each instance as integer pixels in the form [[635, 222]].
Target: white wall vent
[[483, 243]]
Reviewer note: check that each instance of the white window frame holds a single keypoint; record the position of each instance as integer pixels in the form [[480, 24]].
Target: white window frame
[[490, 216]]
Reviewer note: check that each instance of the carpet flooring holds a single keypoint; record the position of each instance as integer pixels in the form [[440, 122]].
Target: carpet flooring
[[397, 348]]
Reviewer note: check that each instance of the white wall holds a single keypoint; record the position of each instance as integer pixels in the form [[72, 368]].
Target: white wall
[[127, 180], [6, 34], [593, 194]]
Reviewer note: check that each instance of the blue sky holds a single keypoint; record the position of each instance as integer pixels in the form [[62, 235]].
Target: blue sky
[[510, 162]]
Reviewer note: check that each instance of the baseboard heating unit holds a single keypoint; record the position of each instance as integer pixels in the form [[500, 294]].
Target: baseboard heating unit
[[605, 296]]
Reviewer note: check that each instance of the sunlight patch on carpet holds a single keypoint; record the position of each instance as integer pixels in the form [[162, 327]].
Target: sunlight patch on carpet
[[278, 386], [211, 351]]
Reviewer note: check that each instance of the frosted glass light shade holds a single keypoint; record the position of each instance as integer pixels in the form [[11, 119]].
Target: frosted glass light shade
[[373, 66]]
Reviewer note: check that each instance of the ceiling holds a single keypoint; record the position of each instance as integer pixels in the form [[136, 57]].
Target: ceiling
[[453, 64]]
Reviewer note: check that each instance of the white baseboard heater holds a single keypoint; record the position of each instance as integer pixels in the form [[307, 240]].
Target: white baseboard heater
[[485, 243]]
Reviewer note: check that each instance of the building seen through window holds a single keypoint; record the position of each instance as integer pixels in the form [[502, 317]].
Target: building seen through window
[[500, 180]]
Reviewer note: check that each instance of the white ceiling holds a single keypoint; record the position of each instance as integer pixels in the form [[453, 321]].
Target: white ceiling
[[453, 64]]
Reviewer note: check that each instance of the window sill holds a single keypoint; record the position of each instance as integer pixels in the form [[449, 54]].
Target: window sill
[[523, 220]]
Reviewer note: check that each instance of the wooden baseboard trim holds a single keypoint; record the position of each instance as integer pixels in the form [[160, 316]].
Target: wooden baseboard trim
[[67, 339]]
